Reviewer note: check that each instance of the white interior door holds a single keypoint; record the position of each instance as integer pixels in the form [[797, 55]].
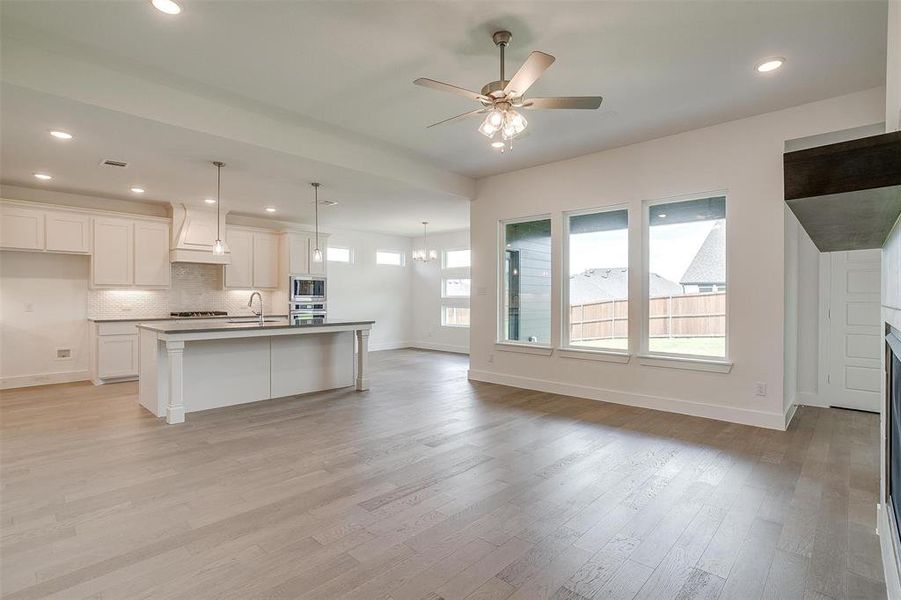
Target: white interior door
[[854, 373]]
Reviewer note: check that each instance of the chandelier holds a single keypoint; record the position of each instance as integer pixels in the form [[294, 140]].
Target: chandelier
[[424, 254]]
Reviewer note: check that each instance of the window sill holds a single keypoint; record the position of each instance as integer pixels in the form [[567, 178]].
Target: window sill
[[523, 348], [599, 355], [711, 365]]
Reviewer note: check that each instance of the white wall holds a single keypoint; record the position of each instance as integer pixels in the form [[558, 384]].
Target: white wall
[[893, 68], [365, 290], [427, 329], [43, 306], [743, 157]]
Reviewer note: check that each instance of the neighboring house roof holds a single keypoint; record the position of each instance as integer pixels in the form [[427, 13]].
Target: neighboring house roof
[[709, 264], [597, 285]]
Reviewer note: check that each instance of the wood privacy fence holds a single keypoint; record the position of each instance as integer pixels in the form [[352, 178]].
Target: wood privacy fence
[[693, 315]]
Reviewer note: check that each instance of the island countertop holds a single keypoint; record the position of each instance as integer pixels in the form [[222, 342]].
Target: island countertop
[[275, 326], [188, 366]]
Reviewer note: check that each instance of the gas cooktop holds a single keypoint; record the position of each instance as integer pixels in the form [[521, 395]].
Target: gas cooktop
[[198, 314]]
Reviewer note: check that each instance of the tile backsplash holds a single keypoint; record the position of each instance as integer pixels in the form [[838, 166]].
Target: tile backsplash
[[194, 287]]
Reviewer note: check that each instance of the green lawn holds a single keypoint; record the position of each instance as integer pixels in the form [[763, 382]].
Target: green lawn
[[701, 346]]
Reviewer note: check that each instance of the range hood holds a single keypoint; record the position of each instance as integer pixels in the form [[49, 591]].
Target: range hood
[[193, 236], [847, 196]]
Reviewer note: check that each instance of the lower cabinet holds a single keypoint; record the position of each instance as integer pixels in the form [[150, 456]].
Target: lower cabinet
[[115, 355]]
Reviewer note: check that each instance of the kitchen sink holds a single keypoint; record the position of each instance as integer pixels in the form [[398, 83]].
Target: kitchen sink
[[256, 320]]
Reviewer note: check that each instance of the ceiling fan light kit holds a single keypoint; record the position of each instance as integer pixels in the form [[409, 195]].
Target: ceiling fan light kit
[[500, 99]]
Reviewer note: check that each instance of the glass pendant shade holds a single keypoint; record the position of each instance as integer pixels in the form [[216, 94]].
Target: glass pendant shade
[[218, 248], [317, 255]]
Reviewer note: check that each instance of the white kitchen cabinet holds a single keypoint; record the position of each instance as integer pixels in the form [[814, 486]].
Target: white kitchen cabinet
[[68, 232], [130, 253], [151, 248], [239, 272], [254, 259], [117, 356], [21, 228], [297, 254], [112, 262], [265, 260]]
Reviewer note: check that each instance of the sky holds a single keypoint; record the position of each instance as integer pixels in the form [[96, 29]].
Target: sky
[[672, 248]]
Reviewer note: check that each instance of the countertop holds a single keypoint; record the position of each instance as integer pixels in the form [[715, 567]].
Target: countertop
[[282, 324], [132, 319]]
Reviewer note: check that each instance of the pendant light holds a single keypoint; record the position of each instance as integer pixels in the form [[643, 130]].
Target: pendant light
[[317, 253], [424, 254], [218, 247]]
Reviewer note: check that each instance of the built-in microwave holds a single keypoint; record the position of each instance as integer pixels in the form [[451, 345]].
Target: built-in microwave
[[305, 288]]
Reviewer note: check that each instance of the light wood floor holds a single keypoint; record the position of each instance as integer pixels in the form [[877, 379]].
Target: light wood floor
[[430, 487]]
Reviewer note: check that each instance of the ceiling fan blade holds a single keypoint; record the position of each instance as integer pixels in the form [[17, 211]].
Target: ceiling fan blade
[[471, 113], [586, 102], [446, 87], [529, 72]]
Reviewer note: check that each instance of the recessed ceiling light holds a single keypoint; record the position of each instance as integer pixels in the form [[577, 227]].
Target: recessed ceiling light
[[770, 64], [43, 176], [661, 216], [167, 6], [270, 209], [61, 135], [210, 200], [137, 190]]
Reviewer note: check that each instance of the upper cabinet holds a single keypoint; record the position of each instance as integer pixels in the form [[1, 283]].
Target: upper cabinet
[[254, 259], [22, 228], [44, 229], [151, 253], [297, 253], [113, 255], [68, 232], [130, 253]]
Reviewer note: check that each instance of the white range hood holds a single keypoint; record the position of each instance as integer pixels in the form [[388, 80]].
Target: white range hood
[[193, 236]]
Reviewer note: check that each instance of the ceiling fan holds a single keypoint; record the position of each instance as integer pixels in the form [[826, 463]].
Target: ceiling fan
[[500, 99]]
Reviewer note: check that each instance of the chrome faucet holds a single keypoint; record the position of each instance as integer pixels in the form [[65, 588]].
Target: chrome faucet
[[250, 305]]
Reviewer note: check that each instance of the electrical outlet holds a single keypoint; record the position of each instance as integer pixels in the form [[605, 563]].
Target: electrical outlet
[[63, 353], [760, 388]]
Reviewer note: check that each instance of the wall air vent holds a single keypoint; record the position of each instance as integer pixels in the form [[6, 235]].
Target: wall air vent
[[114, 163]]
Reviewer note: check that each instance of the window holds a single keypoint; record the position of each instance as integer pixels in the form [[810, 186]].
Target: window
[[455, 259], [455, 316], [389, 257], [525, 304], [340, 255], [686, 308], [597, 316], [455, 288]]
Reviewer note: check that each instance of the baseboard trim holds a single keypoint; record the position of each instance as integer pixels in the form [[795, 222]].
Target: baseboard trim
[[20, 381], [730, 414], [388, 346], [441, 347]]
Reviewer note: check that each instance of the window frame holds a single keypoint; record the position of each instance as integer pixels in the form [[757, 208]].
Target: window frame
[[444, 254], [401, 253], [565, 342], [501, 342], [671, 359], [445, 279], [444, 307], [350, 255]]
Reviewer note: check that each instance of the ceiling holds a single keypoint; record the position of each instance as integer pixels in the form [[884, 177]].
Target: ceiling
[[345, 69], [173, 164]]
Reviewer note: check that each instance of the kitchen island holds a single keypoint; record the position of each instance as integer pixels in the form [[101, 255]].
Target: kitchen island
[[192, 366]]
